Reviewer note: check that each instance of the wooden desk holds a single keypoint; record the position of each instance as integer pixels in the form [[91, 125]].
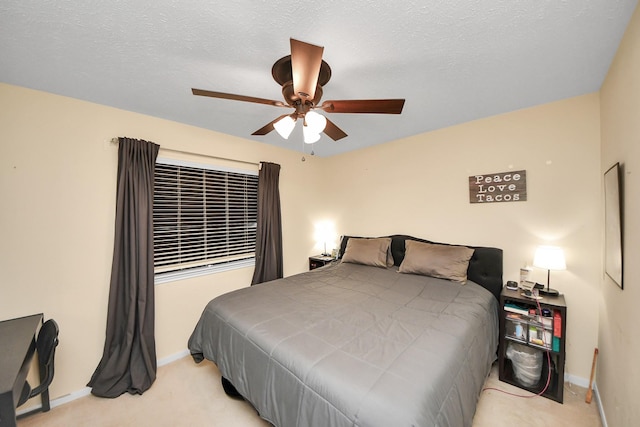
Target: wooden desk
[[17, 346]]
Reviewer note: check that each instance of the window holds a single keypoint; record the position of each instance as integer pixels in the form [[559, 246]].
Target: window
[[204, 219]]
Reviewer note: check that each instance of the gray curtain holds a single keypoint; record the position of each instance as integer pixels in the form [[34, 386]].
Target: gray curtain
[[129, 359], [269, 230]]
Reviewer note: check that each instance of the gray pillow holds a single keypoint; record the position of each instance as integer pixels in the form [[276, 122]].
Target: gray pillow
[[375, 251], [441, 261]]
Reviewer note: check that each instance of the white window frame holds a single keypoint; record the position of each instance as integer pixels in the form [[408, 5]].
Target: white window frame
[[195, 271]]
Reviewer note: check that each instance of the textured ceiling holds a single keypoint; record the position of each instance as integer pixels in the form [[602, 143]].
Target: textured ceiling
[[453, 61]]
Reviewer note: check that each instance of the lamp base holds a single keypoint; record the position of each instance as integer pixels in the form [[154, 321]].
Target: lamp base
[[549, 292]]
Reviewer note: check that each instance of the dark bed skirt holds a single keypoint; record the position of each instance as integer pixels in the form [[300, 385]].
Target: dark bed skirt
[[230, 390]]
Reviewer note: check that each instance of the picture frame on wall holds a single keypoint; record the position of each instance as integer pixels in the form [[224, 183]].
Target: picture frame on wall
[[613, 256]]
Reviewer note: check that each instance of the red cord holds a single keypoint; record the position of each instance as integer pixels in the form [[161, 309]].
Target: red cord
[[548, 371]]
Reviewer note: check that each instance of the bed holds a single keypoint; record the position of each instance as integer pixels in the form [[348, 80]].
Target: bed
[[395, 335]]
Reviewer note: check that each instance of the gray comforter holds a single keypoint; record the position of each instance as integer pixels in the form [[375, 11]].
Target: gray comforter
[[352, 345]]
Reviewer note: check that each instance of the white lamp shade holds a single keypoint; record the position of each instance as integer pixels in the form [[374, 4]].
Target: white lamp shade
[[309, 135], [315, 122], [285, 126], [550, 258]]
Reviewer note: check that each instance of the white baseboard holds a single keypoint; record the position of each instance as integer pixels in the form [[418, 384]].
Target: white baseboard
[[579, 381], [71, 397], [57, 401], [583, 382], [87, 390], [173, 357], [596, 394]]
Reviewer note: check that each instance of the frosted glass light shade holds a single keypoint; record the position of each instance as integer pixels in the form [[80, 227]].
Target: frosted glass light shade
[[285, 126], [550, 258], [309, 135], [316, 122]]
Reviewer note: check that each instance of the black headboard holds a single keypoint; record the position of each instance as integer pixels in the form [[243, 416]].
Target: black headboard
[[485, 266]]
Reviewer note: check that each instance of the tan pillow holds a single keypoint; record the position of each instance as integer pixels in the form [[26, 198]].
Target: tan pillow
[[375, 252], [441, 261]]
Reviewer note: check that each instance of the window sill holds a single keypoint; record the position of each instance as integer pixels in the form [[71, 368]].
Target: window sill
[[202, 271]]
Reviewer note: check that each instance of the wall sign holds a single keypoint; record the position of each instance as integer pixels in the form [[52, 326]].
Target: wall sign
[[498, 187]]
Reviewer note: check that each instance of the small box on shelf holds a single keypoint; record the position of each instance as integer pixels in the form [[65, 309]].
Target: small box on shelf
[[539, 336], [516, 328]]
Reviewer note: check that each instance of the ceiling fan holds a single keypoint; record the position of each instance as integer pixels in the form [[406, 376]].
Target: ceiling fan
[[302, 76]]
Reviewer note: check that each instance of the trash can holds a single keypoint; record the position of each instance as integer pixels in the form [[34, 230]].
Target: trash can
[[526, 362]]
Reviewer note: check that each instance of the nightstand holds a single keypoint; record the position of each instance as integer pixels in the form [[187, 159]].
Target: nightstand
[[532, 332], [319, 261]]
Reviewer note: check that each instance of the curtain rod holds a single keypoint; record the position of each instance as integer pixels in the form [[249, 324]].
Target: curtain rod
[[116, 141]]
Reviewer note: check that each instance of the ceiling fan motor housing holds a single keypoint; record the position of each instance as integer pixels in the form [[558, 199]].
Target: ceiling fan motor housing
[[283, 75]]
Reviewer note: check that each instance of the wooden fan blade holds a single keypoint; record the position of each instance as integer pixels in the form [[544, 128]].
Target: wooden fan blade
[[373, 106], [305, 67], [201, 92], [333, 131], [268, 127]]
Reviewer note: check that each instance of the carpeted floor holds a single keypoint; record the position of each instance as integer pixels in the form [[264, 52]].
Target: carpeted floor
[[189, 394]]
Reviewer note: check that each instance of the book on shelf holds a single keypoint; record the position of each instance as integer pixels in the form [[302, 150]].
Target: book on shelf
[[513, 308], [515, 317]]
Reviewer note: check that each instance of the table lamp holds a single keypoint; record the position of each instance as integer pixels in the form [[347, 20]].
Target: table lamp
[[324, 234], [550, 258]]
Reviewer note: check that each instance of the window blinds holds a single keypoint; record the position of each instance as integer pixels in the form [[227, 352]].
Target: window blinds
[[202, 216]]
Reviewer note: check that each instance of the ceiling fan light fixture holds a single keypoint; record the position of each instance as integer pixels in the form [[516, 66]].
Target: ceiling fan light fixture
[[285, 126], [309, 135], [315, 122]]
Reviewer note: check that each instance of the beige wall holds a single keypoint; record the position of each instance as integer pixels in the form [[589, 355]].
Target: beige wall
[[419, 186], [57, 189], [618, 374]]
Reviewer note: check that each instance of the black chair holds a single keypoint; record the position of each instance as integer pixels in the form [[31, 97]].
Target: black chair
[[46, 347]]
